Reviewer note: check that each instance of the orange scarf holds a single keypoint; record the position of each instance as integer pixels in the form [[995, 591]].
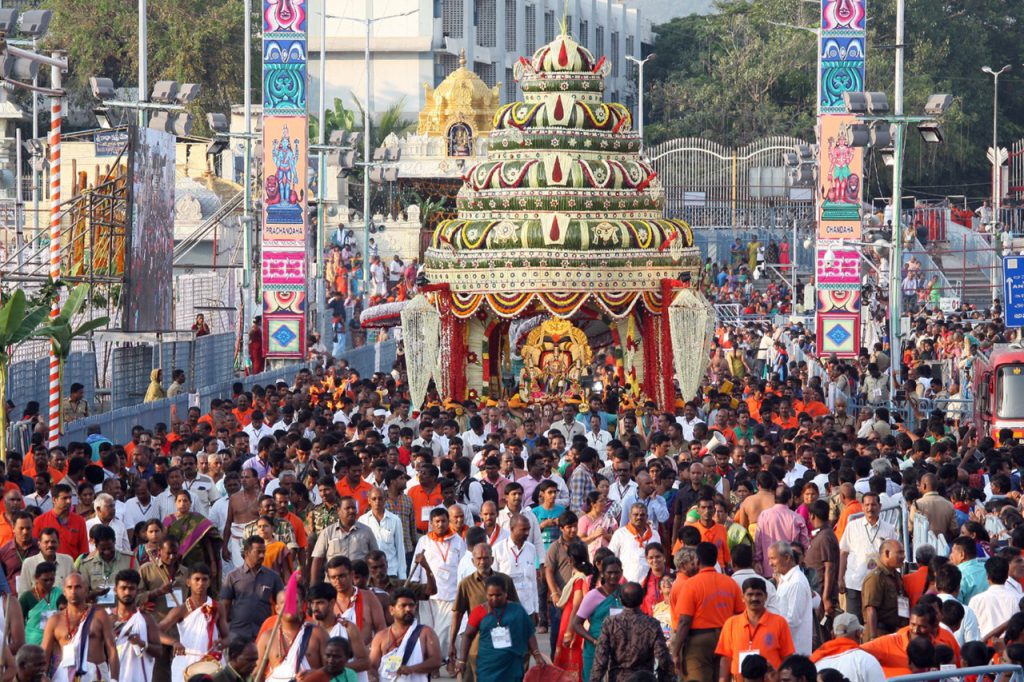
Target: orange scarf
[[834, 647], [640, 539], [440, 538]]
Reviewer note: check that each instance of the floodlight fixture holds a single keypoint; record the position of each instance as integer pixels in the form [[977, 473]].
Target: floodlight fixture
[[35, 22], [181, 124], [881, 135], [103, 117], [102, 88], [392, 153], [391, 174], [217, 122], [856, 102], [930, 132], [164, 92], [877, 103], [216, 147], [860, 135], [188, 93], [8, 19], [937, 104], [160, 120], [888, 156]]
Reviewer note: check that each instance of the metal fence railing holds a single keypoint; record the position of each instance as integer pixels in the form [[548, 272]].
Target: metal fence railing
[[997, 673]]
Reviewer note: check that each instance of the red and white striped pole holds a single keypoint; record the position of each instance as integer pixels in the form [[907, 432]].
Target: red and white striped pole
[[55, 120]]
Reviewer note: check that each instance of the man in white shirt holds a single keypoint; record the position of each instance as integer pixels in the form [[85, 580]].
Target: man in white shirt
[[629, 543], [569, 427], [443, 550], [646, 495], [516, 557], [623, 486], [743, 565], [42, 497], [202, 488], [689, 420], [256, 430], [597, 437], [428, 442], [105, 508], [995, 605], [141, 507], [474, 439], [514, 506], [859, 549], [387, 528], [794, 596]]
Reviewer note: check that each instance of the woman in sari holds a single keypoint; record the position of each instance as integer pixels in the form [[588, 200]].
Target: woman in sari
[[569, 648], [86, 497], [198, 540], [657, 561], [595, 528], [597, 605], [278, 558], [506, 637]]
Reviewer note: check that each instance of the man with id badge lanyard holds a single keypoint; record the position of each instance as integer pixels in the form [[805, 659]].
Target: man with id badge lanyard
[[443, 550], [755, 631], [99, 568], [858, 551], [406, 650]]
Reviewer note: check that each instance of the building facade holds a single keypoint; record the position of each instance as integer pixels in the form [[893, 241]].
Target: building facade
[[417, 42]]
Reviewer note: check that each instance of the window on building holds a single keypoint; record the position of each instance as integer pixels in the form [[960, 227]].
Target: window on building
[[487, 73], [549, 26], [510, 25], [486, 15], [615, 54], [584, 36], [451, 19], [531, 29], [444, 64], [629, 46], [599, 42], [510, 87]]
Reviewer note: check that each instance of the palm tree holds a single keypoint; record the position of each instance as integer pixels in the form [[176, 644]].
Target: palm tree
[[390, 121], [19, 320], [338, 118], [61, 333]]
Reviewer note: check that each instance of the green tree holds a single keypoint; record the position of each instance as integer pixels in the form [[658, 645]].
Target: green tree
[[194, 41], [19, 321], [61, 330], [337, 118]]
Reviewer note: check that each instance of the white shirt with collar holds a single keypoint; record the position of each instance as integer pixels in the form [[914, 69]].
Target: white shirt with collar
[[388, 531], [281, 426], [255, 435], [434, 446], [618, 492], [624, 544], [535, 538], [855, 665], [472, 443], [993, 607], [121, 543], [744, 574], [44, 502], [443, 559], [795, 605], [688, 426], [519, 563], [794, 474], [862, 541], [135, 512], [599, 441], [969, 630], [204, 493]]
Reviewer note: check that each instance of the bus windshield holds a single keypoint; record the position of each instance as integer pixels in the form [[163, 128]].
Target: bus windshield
[[1010, 392]]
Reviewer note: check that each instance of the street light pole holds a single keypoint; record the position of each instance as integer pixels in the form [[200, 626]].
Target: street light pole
[[996, 164], [895, 254], [640, 94], [143, 66]]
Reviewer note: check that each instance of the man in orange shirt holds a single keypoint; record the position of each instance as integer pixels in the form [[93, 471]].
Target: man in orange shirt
[[353, 485], [425, 496], [14, 502], [848, 500], [754, 630], [710, 531], [243, 413], [708, 599], [891, 650]]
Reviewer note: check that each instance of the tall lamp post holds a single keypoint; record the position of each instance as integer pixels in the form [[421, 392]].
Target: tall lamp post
[[997, 192], [640, 93]]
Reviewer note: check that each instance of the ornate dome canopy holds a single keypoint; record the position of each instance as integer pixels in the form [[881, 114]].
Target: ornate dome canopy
[[564, 206], [461, 97]]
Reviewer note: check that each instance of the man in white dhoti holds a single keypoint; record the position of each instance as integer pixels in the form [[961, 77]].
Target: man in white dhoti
[[296, 646], [197, 620], [137, 637], [322, 598], [83, 637], [443, 550], [405, 651]]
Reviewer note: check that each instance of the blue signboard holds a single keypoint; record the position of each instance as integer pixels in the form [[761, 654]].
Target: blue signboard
[[1013, 291], [110, 142]]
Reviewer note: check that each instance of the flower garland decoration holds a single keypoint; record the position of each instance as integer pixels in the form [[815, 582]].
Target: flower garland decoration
[[691, 321], [421, 329]]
